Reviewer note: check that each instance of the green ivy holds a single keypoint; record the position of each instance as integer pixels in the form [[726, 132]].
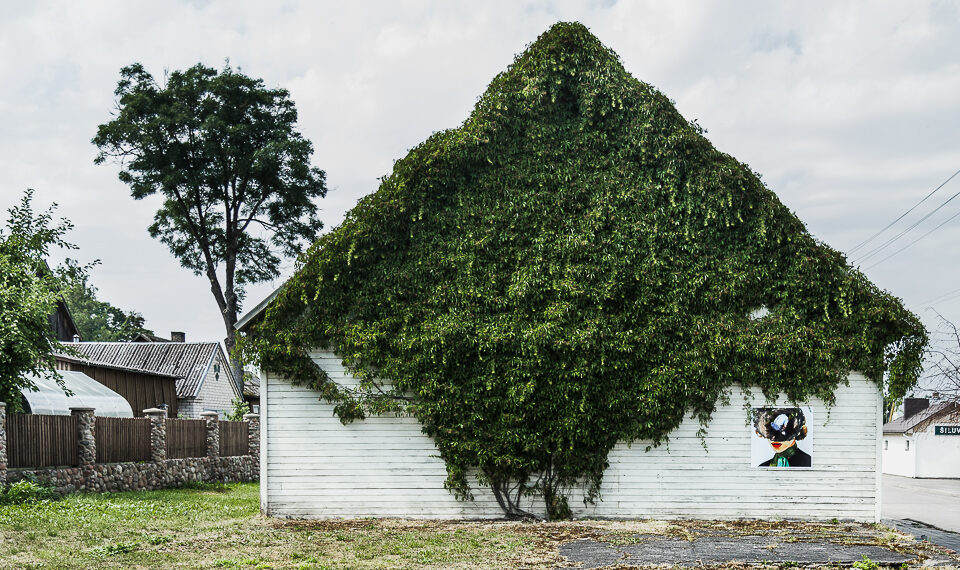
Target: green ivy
[[574, 266]]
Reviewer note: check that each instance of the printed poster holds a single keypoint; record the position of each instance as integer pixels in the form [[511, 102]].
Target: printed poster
[[782, 437]]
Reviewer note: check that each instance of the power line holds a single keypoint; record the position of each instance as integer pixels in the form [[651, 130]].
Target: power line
[[942, 299], [903, 215], [943, 223], [885, 244], [939, 297]]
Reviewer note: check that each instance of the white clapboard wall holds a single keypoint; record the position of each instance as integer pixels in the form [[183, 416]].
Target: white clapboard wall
[[315, 467]]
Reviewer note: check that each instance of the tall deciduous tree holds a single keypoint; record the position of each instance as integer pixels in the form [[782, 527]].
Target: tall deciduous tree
[[28, 295], [97, 320], [234, 173]]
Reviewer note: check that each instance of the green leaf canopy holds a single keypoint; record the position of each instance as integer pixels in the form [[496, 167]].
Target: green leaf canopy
[[575, 265], [29, 292]]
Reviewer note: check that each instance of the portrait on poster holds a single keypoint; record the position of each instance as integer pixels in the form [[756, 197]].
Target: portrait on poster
[[782, 437]]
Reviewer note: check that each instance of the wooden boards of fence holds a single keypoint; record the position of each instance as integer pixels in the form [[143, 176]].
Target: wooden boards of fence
[[41, 441], [233, 438], [186, 438], [122, 439], [35, 440]]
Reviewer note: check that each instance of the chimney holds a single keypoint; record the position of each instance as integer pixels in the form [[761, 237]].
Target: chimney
[[912, 406], [176, 336]]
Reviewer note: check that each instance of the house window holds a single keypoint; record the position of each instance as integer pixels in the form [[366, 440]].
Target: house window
[[886, 444], [908, 445]]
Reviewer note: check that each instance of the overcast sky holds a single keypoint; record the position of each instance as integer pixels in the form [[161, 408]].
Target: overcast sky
[[850, 111]]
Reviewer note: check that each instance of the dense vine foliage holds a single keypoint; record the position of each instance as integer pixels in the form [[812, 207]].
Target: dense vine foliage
[[573, 266]]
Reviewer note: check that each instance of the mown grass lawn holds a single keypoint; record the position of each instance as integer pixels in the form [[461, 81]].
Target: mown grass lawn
[[220, 527]]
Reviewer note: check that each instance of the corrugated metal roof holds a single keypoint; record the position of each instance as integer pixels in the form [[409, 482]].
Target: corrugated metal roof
[[188, 361], [73, 359], [901, 425]]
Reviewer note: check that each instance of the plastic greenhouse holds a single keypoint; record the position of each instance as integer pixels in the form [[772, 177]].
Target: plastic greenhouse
[[50, 399]]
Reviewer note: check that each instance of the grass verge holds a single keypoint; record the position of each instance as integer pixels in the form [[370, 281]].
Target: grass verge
[[220, 527]]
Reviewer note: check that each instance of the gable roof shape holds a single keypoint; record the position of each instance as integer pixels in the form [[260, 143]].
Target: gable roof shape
[[922, 418], [575, 195], [188, 361], [257, 311]]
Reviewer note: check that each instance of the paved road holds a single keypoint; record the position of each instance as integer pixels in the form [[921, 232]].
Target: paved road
[[926, 508], [702, 550], [788, 544], [932, 501]]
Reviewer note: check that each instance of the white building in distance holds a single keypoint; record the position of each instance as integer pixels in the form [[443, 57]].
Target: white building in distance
[[925, 442]]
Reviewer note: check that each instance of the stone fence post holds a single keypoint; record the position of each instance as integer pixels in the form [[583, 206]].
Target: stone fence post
[[213, 433], [253, 434], [86, 436], [3, 443], [158, 434]]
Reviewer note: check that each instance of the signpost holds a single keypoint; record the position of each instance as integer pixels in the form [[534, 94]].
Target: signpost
[[946, 430]]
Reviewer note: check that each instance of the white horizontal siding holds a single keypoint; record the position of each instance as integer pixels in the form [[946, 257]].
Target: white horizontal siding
[[316, 467], [896, 459], [937, 456]]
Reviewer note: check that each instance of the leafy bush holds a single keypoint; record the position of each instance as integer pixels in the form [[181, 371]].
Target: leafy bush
[[238, 409], [25, 491]]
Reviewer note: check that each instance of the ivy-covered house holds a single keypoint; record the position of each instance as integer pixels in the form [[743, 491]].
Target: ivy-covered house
[[573, 304]]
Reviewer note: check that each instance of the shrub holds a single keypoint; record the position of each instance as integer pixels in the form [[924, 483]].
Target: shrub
[[25, 491]]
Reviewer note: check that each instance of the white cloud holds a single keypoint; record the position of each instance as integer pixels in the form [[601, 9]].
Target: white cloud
[[848, 110]]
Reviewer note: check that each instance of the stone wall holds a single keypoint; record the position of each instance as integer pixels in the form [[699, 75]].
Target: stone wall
[[147, 476], [159, 473]]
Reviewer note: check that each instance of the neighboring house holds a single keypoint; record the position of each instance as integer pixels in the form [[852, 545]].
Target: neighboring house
[[143, 389], [251, 392], [149, 337], [925, 442], [61, 321], [204, 379]]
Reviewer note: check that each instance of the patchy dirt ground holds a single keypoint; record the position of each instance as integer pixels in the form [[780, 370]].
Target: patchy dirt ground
[[633, 544]]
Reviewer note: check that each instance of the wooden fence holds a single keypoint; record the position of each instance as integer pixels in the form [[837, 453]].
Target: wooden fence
[[41, 441], [233, 438], [122, 439], [35, 440], [186, 438]]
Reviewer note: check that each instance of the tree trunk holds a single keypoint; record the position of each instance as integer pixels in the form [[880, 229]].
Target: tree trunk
[[229, 320], [227, 302]]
